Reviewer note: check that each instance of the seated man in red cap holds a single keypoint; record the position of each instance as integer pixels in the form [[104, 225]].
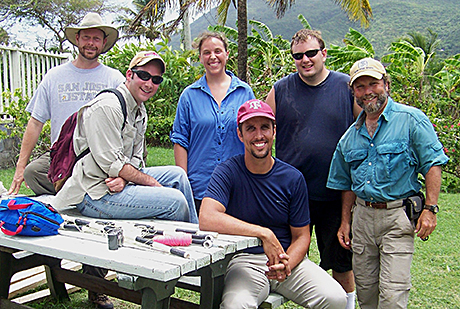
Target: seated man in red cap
[[255, 194]]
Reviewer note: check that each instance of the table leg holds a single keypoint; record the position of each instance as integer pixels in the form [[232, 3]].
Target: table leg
[[212, 284], [57, 289], [9, 265], [155, 294], [6, 272]]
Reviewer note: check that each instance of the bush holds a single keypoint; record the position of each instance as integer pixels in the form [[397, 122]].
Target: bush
[[15, 107], [158, 129]]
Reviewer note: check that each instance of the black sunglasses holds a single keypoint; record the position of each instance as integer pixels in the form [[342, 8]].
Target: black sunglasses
[[309, 53], [145, 76]]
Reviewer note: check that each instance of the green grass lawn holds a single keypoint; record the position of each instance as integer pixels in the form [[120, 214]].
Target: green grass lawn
[[435, 268]]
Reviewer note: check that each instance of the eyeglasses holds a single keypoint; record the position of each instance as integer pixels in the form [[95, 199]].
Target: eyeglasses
[[145, 76], [309, 53]]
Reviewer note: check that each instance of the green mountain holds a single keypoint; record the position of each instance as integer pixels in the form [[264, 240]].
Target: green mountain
[[392, 19]]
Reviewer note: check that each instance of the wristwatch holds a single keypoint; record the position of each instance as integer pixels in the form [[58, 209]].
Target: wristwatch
[[433, 208]]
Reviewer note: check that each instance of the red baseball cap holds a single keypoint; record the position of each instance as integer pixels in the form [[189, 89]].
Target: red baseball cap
[[254, 108]]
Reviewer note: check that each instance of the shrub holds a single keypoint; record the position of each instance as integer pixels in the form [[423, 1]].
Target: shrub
[[15, 107]]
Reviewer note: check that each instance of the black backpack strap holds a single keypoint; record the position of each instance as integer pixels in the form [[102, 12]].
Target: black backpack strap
[[81, 155], [122, 102]]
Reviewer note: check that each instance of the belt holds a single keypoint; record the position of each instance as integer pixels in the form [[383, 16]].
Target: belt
[[377, 205], [381, 205]]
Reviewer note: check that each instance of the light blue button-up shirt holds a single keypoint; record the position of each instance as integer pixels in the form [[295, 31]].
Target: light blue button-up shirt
[[385, 167], [208, 132]]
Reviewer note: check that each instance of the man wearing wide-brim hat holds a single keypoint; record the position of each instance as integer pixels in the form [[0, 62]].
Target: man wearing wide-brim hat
[[63, 90], [93, 21]]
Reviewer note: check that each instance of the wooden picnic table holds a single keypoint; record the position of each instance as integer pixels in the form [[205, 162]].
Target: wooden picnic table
[[145, 276]]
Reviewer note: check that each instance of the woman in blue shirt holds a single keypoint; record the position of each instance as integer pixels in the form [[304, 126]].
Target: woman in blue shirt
[[204, 131]]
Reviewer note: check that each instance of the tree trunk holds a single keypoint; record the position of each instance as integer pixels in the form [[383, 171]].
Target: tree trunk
[[242, 40], [186, 33]]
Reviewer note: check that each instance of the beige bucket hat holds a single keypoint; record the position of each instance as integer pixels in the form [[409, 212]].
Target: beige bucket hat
[[90, 21]]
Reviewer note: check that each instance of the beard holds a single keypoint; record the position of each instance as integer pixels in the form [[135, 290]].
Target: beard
[[262, 155], [372, 108], [84, 53]]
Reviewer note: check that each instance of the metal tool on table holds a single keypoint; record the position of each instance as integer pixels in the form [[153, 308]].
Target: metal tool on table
[[116, 237]]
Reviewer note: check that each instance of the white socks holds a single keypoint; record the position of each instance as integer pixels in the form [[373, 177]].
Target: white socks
[[350, 300]]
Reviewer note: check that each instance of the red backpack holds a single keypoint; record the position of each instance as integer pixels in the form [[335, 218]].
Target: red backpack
[[62, 155]]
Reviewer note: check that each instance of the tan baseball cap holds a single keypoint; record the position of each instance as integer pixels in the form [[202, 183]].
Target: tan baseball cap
[[144, 57], [367, 67]]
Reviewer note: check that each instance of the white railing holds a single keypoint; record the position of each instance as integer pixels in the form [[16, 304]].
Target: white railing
[[24, 69]]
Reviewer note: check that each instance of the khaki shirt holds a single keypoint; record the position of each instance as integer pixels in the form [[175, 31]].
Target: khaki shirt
[[99, 128]]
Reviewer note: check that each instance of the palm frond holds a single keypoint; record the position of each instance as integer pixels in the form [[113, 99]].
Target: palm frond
[[280, 6], [304, 21], [267, 33], [359, 10], [355, 38]]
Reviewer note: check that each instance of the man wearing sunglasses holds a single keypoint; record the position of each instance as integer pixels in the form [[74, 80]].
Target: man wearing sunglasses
[[112, 181], [313, 108]]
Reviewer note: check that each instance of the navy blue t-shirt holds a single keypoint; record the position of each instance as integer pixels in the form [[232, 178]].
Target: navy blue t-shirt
[[309, 122], [276, 200]]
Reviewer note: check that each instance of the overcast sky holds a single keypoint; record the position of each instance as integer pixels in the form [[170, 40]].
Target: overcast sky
[[26, 34]]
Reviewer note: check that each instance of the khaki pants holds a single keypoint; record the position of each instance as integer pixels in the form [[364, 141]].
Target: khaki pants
[[246, 285], [36, 175], [383, 244]]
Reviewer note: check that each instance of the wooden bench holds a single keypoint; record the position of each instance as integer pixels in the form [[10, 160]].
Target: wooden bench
[[192, 283], [273, 300]]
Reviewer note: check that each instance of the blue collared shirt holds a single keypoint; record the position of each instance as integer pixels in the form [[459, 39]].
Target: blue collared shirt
[[385, 167], [208, 132]]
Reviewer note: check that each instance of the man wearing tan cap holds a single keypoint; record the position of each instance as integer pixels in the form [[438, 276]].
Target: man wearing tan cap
[[112, 181], [63, 90], [376, 165]]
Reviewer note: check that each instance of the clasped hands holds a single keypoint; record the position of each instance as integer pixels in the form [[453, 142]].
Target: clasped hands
[[280, 270]]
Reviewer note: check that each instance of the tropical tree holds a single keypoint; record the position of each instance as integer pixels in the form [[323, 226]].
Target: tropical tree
[[356, 10], [167, 28], [407, 66], [151, 26], [54, 15], [268, 55], [447, 80], [357, 46], [446, 116], [428, 44]]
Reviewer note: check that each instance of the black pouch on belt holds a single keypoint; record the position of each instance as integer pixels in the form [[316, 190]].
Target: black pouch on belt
[[414, 206]]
